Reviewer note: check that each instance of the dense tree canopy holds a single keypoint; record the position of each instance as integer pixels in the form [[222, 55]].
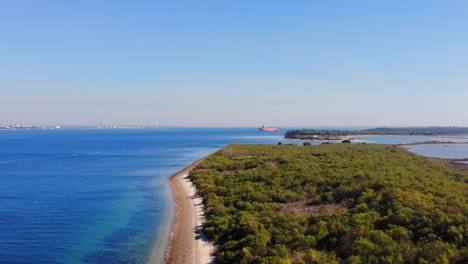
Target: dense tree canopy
[[337, 203]]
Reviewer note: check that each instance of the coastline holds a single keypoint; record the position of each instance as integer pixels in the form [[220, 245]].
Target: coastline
[[457, 164], [161, 246], [187, 242]]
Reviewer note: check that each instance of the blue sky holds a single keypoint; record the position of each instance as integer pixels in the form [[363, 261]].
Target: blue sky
[[234, 63]]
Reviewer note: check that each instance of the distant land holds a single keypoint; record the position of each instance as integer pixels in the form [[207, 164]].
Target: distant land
[[313, 134], [126, 127], [49, 127], [27, 127]]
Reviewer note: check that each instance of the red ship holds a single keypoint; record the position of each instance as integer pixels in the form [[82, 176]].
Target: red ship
[[265, 128]]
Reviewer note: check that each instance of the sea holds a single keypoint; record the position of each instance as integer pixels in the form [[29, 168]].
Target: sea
[[103, 195]]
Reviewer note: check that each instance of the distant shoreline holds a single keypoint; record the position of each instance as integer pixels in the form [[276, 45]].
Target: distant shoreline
[[431, 143], [320, 134], [41, 127]]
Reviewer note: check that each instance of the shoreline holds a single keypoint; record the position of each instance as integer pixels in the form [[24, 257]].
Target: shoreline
[[160, 248], [432, 143], [457, 164], [187, 242]]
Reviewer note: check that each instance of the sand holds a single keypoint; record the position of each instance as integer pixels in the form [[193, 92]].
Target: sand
[[188, 243]]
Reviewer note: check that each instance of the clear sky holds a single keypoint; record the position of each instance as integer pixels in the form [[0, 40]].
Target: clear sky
[[234, 63]]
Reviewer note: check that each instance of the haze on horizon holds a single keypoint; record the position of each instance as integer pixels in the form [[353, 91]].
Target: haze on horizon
[[234, 63]]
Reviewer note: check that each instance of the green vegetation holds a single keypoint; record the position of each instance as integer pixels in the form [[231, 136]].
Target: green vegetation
[[334, 203], [409, 131], [312, 134]]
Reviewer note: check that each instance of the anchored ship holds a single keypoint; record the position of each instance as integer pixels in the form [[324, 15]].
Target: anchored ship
[[265, 128]]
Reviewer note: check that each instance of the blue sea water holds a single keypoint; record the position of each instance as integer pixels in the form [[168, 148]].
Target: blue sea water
[[96, 196], [448, 151], [100, 196]]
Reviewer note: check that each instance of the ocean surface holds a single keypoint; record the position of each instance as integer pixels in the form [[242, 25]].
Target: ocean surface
[[103, 196]]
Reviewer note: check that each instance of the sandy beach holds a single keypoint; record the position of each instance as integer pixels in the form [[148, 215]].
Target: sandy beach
[[188, 243]]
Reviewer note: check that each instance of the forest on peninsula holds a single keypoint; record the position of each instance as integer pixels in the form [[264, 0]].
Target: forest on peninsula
[[311, 134], [333, 203]]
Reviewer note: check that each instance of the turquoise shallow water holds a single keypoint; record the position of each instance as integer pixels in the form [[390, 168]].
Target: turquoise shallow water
[[100, 196]]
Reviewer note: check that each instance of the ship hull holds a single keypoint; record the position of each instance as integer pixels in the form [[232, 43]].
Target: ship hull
[[269, 129]]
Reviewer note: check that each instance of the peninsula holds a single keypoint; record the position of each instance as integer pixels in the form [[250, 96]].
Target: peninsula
[[334, 203]]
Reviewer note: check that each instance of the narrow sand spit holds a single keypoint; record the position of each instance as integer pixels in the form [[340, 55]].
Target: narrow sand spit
[[188, 243]]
